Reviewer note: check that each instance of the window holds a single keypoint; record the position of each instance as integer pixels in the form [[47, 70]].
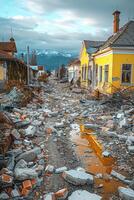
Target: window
[[89, 73], [126, 73], [100, 74], [106, 75], [84, 72], [96, 75]]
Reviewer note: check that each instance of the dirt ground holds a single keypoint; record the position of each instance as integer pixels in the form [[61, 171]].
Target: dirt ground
[[59, 149]]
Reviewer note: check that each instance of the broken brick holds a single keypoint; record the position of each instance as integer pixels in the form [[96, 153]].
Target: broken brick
[[61, 194], [25, 192], [48, 130], [27, 184], [6, 178]]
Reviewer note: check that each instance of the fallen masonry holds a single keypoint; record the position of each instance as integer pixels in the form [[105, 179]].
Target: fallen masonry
[[38, 159], [126, 193], [78, 177], [83, 195]]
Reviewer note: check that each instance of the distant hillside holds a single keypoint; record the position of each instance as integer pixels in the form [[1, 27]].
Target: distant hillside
[[52, 59]]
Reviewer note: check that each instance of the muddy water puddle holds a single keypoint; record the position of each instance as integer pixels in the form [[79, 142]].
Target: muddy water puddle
[[89, 151]]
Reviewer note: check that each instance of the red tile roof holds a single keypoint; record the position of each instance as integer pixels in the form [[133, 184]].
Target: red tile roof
[[4, 55], [8, 46]]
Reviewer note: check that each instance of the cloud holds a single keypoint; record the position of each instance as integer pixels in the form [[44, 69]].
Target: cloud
[[97, 9], [25, 35], [63, 24]]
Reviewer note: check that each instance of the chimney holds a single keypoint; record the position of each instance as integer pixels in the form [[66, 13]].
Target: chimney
[[116, 21]]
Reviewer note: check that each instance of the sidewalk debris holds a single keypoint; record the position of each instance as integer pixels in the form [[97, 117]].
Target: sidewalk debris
[[38, 156], [126, 193], [78, 177], [117, 175], [83, 195], [60, 170]]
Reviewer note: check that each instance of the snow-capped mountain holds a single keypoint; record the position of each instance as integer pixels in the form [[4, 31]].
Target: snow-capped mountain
[[52, 59]]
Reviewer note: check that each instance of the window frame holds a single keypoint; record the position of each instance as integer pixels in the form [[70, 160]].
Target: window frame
[[104, 73], [126, 83], [84, 72], [89, 72], [100, 77]]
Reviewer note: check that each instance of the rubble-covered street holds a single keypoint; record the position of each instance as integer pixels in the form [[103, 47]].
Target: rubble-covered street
[[46, 153]]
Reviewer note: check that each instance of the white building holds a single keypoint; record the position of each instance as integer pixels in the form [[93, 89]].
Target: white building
[[74, 70]]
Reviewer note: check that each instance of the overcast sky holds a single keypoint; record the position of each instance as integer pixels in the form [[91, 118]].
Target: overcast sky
[[60, 24]]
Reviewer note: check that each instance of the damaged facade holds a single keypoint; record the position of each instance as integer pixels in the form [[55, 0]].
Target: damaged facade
[[11, 68], [61, 72], [109, 65]]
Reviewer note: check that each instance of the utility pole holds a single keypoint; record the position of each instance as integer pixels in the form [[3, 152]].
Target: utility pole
[[28, 65]]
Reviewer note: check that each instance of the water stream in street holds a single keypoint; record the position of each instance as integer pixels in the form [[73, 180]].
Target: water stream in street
[[89, 152]]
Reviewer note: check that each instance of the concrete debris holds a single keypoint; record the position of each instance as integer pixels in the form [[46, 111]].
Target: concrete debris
[[131, 185], [49, 196], [78, 177], [112, 134], [99, 176], [21, 164], [59, 125], [106, 154], [131, 149], [30, 131], [123, 122], [60, 170], [83, 195], [40, 128], [91, 126], [49, 169], [4, 196], [26, 173], [118, 176], [29, 156], [80, 169], [15, 193], [15, 134], [126, 193]]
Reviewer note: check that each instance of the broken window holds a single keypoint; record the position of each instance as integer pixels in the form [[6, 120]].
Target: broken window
[[126, 73], [100, 74], [106, 73]]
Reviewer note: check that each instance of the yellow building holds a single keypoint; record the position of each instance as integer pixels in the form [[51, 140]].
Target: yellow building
[[112, 64], [88, 47]]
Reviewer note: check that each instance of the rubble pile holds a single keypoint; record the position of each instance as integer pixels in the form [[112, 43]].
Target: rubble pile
[[38, 159], [17, 97], [20, 157]]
